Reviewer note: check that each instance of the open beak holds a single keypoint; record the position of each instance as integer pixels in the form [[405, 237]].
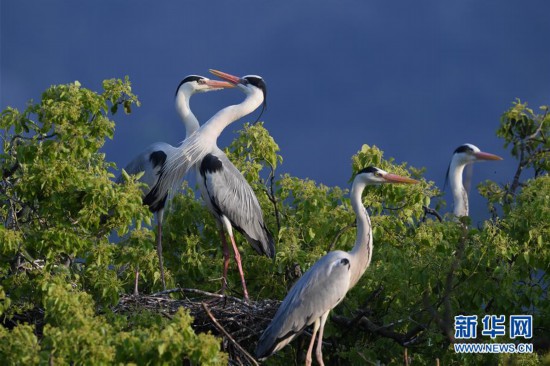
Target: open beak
[[218, 84], [394, 178], [486, 156], [231, 78]]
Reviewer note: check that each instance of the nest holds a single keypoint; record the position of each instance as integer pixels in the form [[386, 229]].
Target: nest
[[237, 322]]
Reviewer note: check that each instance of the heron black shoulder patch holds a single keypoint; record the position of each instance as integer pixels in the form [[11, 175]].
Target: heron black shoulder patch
[[210, 164], [345, 262], [151, 200], [157, 158]]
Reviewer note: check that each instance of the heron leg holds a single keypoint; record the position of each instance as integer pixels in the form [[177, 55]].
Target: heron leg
[[318, 350], [239, 265], [310, 348], [159, 247], [225, 248], [159, 252], [136, 281]]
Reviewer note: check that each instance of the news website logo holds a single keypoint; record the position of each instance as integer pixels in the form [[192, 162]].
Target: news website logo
[[493, 326]]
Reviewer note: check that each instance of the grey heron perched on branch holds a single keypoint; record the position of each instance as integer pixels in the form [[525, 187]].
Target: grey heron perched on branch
[[224, 189], [463, 156], [326, 283], [151, 160]]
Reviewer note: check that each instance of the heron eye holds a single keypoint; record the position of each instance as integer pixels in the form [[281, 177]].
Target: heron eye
[[201, 81], [378, 174]]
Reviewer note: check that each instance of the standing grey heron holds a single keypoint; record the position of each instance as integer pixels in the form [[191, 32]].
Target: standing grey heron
[[151, 160], [464, 155], [326, 283], [224, 189]]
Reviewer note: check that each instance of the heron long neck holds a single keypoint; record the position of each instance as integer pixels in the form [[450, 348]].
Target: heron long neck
[[362, 251], [460, 196], [224, 117], [184, 110]]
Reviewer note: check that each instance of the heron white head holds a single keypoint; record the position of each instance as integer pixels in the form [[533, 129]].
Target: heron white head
[[245, 83], [248, 84], [468, 153], [189, 86], [374, 176], [200, 84]]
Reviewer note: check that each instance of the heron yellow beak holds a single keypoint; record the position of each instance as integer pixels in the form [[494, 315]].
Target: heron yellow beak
[[231, 78], [394, 178], [486, 156]]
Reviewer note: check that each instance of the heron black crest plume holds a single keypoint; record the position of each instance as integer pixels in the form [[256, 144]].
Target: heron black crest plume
[[259, 82], [264, 106]]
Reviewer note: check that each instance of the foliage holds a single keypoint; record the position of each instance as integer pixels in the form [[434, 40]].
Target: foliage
[[60, 273], [74, 333], [526, 132], [58, 270]]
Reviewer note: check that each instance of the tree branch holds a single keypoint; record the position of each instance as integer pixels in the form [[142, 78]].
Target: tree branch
[[404, 339], [226, 334], [6, 173], [200, 292], [523, 162], [431, 211]]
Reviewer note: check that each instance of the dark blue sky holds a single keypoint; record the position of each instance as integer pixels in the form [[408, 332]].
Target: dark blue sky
[[416, 79]]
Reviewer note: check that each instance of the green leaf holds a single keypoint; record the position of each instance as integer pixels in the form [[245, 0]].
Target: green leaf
[[127, 107], [427, 201]]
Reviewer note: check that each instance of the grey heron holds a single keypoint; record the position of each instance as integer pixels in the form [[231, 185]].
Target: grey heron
[[224, 189], [326, 283], [151, 160], [463, 156]]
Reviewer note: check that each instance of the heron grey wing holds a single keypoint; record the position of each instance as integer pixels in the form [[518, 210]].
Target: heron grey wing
[[230, 192], [146, 164], [319, 290]]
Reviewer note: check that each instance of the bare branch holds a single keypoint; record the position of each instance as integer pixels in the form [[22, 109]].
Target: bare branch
[[8, 172], [34, 137], [524, 161], [404, 339], [226, 334], [534, 134], [200, 292], [431, 211]]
